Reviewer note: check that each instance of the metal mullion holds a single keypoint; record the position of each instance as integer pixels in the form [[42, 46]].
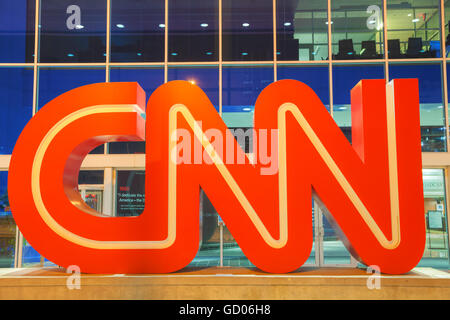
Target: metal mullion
[[19, 236], [444, 74], [16, 64], [166, 39], [108, 58], [274, 25], [108, 39], [385, 41], [220, 62], [330, 58]]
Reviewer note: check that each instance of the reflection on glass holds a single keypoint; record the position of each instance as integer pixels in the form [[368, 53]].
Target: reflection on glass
[[73, 31], [436, 249], [17, 31], [30, 257], [232, 254], [357, 29], [241, 88], [206, 78], [7, 226], [16, 105], [345, 78], [209, 251], [130, 193], [432, 117], [413, 29], [334, 251], [302, 31], [56, 81], [247, 30], [193, 30], [137, 31]]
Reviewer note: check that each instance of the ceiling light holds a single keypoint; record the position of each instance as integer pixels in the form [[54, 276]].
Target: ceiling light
[[287, 24], [120, 26], [203, 25], [79, 26], [245, 53], [327, 22], [162, 25], [246, 24], [70, 55]]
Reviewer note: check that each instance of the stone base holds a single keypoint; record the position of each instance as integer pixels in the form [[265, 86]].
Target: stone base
[[225, 284]]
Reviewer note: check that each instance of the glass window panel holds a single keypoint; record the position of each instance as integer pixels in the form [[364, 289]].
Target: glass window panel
[[314, 76], [7, 225], [149, 79], [208, 254], [432, 117], [73, 31], [357, 29], [436, 248], [91, 177], [16, 105], [302, 30], [247, 30], [413, 29], [56, 81], [241, 88], [17, 30], [193, 30], [207, 78], [345, 78], [137, 30], [130, 193], [447, 27]]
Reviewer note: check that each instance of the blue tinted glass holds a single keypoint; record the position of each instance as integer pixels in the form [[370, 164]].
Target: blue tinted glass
[[73, 31], [247, 30], [432, 116], [314, 76], [149, 79], [206, 78], [242, 85], [345, 78], [7, 225], [17, 30], [16, 106], [193, 30], [54, 82], [137, 30], [241, 88]]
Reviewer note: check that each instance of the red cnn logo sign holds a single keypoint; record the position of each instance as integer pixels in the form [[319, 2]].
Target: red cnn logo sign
[[372, 189]]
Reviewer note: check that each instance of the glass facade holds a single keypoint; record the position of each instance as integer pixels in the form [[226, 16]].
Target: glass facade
[[232, 49]]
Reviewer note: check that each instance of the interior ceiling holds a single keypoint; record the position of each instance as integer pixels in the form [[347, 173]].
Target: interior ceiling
[[352, 18]]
